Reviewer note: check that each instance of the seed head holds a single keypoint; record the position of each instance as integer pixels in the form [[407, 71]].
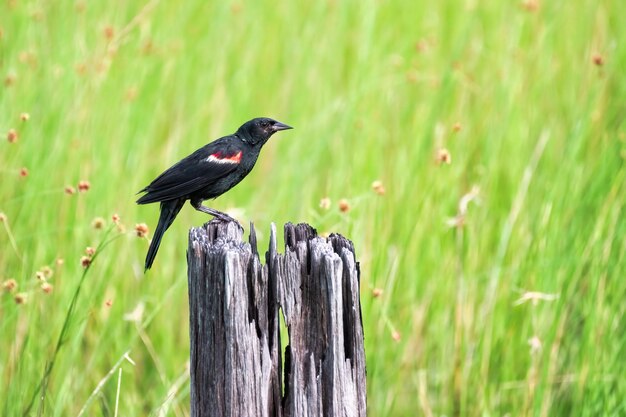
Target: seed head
[[98, 223], [395, 335], [40, 276], [24, 117], [443, 156], [46, 287], [456, 127], [85, 261], [28, 57], [21, 298], [108, 303], [108, 32], [9, 80], [147, 47], [535, 345], [421, 45], [12, 136], [530, 5], [9, 285], [3, 217], [325, 203], [47, 271], [115, 218], [378, 187], [83, 186], [69, 190], [344, 206], [141, 229], [597, 59], [80, 68], [377, 292], [60, 261], [89, 251], [23, 172]]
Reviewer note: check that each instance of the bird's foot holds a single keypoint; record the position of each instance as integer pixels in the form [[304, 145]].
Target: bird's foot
[[227, 219], [215, 213]]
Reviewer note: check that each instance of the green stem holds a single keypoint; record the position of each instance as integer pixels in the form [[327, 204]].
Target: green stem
[[43, 383]]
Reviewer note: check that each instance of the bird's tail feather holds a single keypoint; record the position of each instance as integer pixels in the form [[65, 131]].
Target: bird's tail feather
[[169, 211]]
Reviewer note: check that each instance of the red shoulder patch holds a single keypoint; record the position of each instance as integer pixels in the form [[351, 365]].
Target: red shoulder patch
[[220, 158]]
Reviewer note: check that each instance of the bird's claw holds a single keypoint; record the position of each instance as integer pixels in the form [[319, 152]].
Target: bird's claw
[[227, 219]]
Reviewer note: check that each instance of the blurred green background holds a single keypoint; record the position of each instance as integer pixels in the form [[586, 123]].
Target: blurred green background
[[492, 265]]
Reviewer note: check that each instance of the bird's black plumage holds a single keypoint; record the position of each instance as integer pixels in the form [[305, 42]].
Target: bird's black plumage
[[207, 173]]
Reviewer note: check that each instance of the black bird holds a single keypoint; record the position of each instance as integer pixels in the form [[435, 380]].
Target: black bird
[[207, 173]]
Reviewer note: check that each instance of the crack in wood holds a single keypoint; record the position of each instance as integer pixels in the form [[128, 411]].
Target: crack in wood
[[234, 303]]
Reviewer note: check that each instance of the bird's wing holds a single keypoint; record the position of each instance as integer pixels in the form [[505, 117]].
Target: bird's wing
[[197, 171]]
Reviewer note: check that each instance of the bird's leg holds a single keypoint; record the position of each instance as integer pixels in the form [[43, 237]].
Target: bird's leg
[[197, 204]]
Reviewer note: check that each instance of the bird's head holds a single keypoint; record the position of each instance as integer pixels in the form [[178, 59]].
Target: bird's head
[[258, 131]]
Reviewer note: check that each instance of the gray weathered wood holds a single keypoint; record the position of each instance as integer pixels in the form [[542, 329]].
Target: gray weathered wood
[[234, 306]]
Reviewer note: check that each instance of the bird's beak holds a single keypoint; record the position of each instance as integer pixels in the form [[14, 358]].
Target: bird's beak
[[281, 126]]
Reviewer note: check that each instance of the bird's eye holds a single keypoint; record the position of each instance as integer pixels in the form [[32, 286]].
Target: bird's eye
[[264, 123]]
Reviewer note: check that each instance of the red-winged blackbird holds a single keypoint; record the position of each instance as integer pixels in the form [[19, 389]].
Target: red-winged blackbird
[[207, 173]]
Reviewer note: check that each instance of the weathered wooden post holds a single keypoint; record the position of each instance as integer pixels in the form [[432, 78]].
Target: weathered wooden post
[[234, 305]]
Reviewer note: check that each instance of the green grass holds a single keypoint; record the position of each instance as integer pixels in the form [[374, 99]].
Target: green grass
[[374, 90]]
